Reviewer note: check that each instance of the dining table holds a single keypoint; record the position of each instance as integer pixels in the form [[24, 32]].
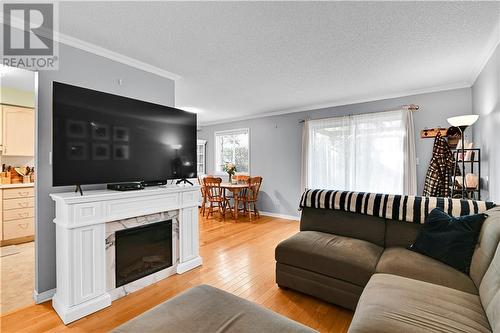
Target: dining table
[[235, 189]]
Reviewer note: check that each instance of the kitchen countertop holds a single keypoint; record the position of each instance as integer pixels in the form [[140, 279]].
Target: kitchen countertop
[[17, 185]]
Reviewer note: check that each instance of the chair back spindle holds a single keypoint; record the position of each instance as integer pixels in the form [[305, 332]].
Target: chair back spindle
[[254, 184]]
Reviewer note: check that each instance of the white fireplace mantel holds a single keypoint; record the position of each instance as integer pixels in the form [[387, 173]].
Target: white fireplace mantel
[[80, 240]]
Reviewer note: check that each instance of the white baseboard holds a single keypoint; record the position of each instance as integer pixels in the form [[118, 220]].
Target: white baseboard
[[189, 265], [43, 296], [281, 216], [69, 314]]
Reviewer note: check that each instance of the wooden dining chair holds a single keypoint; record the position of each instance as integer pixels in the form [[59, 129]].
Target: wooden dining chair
[[215, 196], [242, 178], [203, 195], [252, 196]]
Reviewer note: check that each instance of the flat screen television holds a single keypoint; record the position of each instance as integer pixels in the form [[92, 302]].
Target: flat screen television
[[104, 138]]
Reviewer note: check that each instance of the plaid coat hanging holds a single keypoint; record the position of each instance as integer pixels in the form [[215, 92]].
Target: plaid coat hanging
[[437, 180]]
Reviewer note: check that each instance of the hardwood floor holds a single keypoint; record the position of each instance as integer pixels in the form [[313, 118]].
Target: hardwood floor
[[238, 257]]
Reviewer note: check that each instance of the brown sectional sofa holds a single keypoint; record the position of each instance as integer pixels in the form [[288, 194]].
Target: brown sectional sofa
[[361, 262]]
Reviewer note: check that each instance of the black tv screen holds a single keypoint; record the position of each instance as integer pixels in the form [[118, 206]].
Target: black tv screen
[[104, 138]]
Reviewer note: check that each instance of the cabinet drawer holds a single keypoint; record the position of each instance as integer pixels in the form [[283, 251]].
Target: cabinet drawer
[[16, 214], [22, 192], [18, 203], [1, 211], [18, 228]]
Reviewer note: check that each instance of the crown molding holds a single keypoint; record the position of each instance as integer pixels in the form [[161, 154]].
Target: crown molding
[[59, 37], [341, 102], [493, 43], [115, 56]]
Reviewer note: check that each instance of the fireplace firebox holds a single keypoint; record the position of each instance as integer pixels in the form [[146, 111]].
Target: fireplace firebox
[[143, 250]]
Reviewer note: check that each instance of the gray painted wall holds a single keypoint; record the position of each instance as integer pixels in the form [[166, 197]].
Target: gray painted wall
[[486, 103], [275, 142], [87, 70]]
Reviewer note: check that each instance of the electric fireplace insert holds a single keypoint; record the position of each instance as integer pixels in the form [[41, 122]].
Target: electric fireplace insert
[[143, 250]]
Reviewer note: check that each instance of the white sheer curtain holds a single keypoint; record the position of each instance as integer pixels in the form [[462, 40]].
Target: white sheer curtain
[[305, 156], [410, 155], [360, 153]]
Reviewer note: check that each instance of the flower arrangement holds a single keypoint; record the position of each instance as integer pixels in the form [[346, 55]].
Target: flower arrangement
[[230, 168]]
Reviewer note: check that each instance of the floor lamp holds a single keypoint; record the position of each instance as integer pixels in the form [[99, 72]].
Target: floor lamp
[[462, 122]]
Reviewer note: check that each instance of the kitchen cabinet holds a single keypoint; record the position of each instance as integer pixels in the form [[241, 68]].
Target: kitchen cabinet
[[17, 209], [201, 156], [1, 215], [17, 131], [1, 129]]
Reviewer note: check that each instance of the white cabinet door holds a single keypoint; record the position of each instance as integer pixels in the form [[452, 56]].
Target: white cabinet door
[[88, 260], [201, 157], [188, 234], [18, 131]]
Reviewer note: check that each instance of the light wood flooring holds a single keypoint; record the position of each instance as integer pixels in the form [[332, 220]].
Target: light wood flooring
[[17, 276], [238, 257]]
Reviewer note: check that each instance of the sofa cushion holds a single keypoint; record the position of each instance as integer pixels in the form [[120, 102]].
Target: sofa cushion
[[349, 259], [395, 304], [318, 285], [347, 224], [489, 292], [401, 234], [410, 264], [486, 246], [208, 309]]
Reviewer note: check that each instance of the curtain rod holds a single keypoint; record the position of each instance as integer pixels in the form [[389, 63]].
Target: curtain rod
[[410, 107]]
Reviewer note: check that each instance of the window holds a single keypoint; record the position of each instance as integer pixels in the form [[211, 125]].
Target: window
[[359, 153], [232, 146]]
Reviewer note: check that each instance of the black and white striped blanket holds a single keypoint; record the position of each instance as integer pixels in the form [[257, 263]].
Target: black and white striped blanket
[[395, 207]]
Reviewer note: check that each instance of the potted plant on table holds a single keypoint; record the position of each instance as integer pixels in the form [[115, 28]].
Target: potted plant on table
[[230, 168]]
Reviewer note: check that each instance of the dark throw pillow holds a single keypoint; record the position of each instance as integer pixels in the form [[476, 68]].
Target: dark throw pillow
[[449, 239]]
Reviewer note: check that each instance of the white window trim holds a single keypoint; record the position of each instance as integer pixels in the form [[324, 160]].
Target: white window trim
[[236, 130]]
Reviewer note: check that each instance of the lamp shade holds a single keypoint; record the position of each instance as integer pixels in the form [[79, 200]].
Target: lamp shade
[[460, 121]]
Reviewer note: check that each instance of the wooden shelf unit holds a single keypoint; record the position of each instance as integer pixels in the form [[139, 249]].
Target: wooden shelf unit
[[466, 166]]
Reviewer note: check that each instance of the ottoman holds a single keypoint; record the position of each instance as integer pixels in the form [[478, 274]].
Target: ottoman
[[207, 309]]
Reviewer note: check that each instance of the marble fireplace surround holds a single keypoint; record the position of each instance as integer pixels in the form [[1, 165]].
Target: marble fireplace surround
[[133, 222], [85, 227]]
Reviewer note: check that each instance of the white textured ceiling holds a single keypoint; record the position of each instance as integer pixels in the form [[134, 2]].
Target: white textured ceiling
[[239, 59], [17, 78]]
